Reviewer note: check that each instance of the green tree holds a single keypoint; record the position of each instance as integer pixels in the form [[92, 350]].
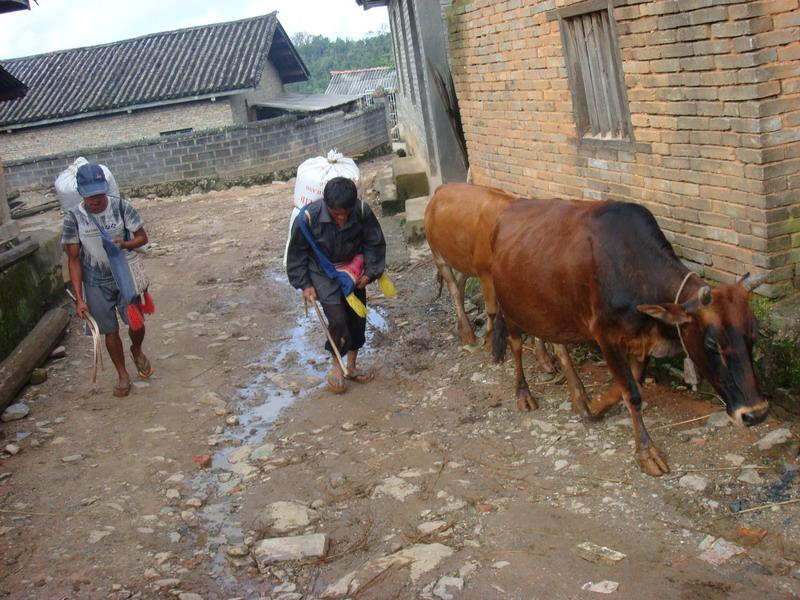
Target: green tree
[[322, 56]]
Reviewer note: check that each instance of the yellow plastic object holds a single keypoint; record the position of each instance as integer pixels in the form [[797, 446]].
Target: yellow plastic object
[[387, 287], [357, 306]]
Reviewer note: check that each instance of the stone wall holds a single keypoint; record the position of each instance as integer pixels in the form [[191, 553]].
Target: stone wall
[[714, 96], [258, 148], [25, 144]]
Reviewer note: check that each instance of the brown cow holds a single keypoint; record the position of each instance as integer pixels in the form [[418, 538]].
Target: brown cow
[[573, 271], [459, 221]]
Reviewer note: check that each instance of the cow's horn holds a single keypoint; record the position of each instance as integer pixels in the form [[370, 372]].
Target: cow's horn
[[750, 283], [704, 295]]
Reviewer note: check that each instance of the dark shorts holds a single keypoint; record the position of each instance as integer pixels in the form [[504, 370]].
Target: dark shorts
[[104, 303]]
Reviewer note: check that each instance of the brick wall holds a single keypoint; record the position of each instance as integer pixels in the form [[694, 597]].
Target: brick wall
[[22, 144], [262, 147], [714, 95]]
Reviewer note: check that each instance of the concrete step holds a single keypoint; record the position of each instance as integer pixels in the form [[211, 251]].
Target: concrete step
[[415, 218], [383, 183], [410, 178]]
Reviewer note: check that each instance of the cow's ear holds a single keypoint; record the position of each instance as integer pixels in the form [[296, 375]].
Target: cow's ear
[[671, 314]]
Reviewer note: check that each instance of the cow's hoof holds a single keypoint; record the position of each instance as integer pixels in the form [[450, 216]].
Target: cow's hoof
[[651, 462], [468, 338], [580, 406], [526, 403]]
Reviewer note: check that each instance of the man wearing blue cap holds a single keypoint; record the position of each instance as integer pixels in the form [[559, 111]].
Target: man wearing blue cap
[[90, 271]]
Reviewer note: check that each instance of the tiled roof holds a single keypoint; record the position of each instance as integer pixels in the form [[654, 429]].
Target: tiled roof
[[362, 81], [149, 70], [10, 86]]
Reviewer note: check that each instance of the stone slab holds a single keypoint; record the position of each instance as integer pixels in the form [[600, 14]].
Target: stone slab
[[273, 550]]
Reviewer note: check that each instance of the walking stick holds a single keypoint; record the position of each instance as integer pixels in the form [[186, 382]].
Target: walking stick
[[330, 339]]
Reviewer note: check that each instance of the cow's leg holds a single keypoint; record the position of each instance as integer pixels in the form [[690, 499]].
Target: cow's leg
[[648, 456], [489, 304], [600, 404], [542, 357], [524, 399], [577, 393], [455, 285]]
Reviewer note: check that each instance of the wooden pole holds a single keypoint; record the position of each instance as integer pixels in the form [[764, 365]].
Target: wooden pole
[[330, 339], [32, 351]]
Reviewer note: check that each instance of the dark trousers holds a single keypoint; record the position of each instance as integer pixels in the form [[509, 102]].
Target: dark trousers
[[346, 327]]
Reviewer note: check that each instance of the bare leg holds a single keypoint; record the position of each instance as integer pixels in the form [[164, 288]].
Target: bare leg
[[115, 350], [577, 393], [524, 399]]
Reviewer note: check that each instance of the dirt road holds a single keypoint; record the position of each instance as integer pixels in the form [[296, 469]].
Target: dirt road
[[425, 483]]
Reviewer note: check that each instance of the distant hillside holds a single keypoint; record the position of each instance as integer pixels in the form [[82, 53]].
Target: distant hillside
[[322, 56]]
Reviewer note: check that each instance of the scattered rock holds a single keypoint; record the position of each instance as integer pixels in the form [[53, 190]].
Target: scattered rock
[[351, 584], [202, 460], [442, 586], [600, 555], [286, 517], [59, 352], [560, 464], [12, 449], [72, 458], [189, 596], [240, 454], [173, 494], [773, 438], [424, 557], [232, 420], [720, 551], [718, 419], [396, 488], [237, 551], [432, 526], [15, 412], [264, 452], [38, 376], [750, 476], [693, 482], [348, 426], [601, 587], [273, 550], [500, 564], [735, 459], [96, 536]]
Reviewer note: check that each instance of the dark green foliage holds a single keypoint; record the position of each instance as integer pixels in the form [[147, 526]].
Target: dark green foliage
[[322, 56], [777, 357]]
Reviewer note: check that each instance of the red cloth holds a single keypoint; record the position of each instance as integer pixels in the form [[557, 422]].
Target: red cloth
[[354, 268]]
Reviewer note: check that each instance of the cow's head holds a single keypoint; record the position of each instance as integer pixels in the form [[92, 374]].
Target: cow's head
[[719, 329]]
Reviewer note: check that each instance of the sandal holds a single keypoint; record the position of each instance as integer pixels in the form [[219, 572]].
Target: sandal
[[120, 391], [336, 385], [143, 366], [360, 376]]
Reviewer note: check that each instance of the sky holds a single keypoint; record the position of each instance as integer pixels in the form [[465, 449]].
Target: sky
[[60, 24]]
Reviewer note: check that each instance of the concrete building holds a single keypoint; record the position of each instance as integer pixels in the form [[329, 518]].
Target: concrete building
[[426, 100], [689, 107]]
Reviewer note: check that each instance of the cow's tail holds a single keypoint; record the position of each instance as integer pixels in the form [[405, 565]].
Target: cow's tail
[[499, 337]]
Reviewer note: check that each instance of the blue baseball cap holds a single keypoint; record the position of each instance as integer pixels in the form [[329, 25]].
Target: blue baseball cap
[[91, 180]]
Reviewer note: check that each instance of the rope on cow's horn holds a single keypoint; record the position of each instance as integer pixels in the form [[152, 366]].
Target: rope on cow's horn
[[689, 370]]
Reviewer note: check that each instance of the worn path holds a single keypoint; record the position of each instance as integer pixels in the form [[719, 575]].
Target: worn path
[[425, 483]]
